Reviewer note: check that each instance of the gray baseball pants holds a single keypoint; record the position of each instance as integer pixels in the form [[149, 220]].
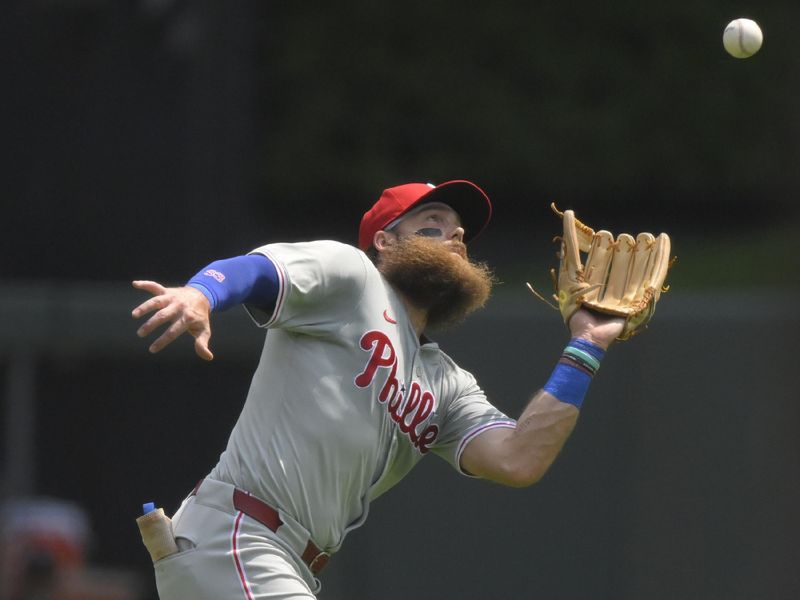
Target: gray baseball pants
[[227, 555]]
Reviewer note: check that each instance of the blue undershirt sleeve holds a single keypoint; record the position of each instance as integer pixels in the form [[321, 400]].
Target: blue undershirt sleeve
[[250, 279]]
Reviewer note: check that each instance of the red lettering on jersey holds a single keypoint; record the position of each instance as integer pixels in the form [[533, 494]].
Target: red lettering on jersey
[[379, 342], [419, 405], [391, 387], [423, 412], [396, 397], [427, 438], [412, 402]]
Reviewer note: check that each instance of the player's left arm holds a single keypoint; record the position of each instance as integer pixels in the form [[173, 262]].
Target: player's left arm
[[521, 456]]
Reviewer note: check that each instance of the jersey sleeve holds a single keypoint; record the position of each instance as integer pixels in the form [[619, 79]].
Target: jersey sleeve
[[319, 284], [467, 415]]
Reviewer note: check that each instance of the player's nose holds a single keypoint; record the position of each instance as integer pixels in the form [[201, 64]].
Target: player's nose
[[457, 234]]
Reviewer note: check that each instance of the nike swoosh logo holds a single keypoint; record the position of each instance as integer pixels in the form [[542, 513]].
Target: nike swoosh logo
[[388, 318]]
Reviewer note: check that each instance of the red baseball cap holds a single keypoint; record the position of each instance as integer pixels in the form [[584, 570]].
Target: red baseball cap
[[467, 199]]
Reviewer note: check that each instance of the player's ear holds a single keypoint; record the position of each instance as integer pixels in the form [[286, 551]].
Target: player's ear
[[383, 239]]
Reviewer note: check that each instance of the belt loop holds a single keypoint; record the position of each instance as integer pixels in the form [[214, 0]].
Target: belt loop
[[315, 558]]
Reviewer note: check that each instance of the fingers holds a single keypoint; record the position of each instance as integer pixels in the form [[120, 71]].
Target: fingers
[[638, 269], [181, 310], [148, 306], [598, 262], [152, 304], [659, 263], [570, 247], [620, 269], [181, 323], [169, 336], [201, 345], [149, 286], [169, 313]]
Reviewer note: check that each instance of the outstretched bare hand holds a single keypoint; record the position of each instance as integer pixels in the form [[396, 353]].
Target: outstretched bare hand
[[182, 308]]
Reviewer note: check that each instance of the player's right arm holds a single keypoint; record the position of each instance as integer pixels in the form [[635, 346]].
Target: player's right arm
[[216, 287], [277, 283]]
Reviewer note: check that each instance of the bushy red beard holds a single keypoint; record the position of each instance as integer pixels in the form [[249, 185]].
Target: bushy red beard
[[432, 277]]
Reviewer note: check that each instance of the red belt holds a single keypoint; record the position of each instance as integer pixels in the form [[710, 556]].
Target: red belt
[[262, 512]]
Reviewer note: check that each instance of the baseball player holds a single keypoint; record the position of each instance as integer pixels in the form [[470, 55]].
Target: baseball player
[[349, 393]]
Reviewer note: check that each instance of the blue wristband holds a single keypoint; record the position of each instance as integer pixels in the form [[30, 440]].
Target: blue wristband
[[570, 380], [251, 279]]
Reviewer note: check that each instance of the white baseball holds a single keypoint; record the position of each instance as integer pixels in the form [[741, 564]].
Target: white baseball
[[742, 38]]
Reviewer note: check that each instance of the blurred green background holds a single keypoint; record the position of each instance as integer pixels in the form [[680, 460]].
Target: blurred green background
[[145, 138]]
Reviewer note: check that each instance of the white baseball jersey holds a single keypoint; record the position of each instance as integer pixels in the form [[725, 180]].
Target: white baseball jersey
[[345, 400]]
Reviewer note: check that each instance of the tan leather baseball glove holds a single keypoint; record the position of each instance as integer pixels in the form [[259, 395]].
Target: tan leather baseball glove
[[622, 277]]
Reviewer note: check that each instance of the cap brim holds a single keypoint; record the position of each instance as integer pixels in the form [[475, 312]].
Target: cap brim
[[467, 199]]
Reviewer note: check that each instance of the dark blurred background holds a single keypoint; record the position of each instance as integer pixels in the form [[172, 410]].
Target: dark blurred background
[[144, 139]]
